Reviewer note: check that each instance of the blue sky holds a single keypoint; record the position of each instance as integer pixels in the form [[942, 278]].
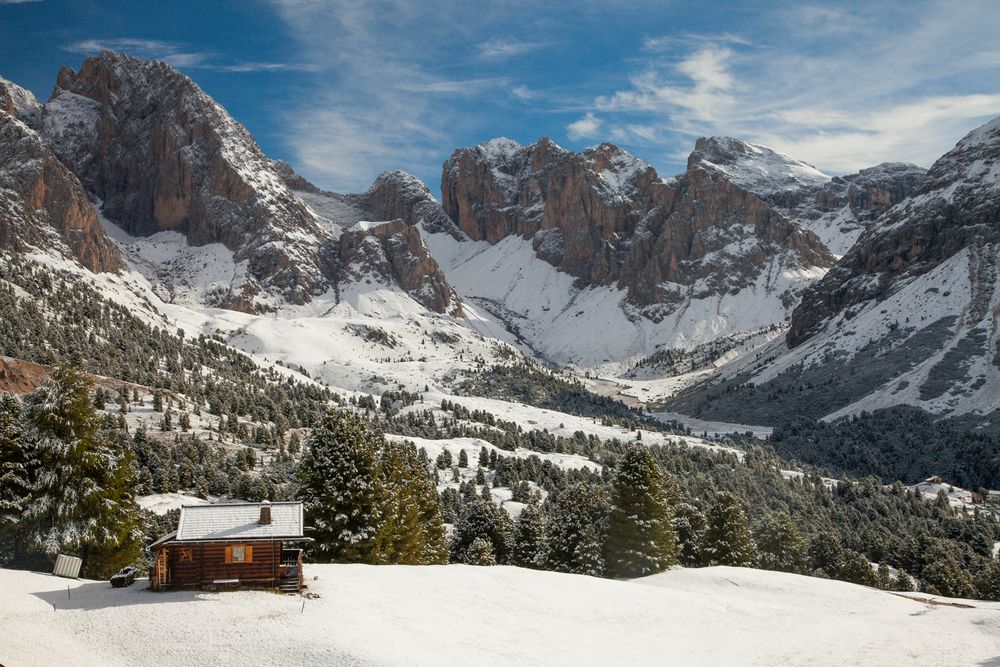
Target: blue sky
[[344, 90]]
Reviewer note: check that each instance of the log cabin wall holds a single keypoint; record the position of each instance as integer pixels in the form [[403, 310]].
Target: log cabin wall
[[202, 563]]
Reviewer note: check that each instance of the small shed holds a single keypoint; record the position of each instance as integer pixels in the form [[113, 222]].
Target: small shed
[[235, 545]]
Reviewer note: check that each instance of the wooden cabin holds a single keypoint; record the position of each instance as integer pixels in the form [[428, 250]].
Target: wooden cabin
[[238, 545]]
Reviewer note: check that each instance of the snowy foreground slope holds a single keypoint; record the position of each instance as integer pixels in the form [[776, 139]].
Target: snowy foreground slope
[[496, 615]]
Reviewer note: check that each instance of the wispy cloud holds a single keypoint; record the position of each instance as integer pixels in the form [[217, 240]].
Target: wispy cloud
[[842, 99], [180, 55], [17, 2], [497, 48]]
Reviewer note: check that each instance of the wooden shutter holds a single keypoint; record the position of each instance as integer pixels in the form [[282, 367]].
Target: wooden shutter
[[247, 554], [229, 554]]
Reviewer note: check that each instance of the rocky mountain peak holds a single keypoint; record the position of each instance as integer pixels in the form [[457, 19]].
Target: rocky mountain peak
[[397, 194], [606, 218], [18, 102], [163, 156], [394, 253], [755, 168], [43, 206], [954, 209]]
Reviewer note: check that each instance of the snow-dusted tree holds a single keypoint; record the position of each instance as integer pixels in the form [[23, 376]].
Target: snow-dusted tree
[[575, 531], [780, 545], [727, 538], [17, 469], [988, 582], [463, 459], [340, 488], [529, 534], [482, 518], [480, 552], [690, 524], [82, 499], [641, 537], [944, 576], [412, 532]]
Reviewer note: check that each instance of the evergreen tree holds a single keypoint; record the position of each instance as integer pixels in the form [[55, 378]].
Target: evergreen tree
[[727, 538], [480, 552], [484, 458], [944, 576], [575, 531], [463, 459], [780, 545], [17, 470], [412, 532], [483, 519], [82, 501], [988, 582], [529, 535], [340, 488], [641, 538], [690, 525]]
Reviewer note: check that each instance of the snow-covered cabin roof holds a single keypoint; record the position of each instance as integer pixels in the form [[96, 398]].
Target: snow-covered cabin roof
[[239, 521]]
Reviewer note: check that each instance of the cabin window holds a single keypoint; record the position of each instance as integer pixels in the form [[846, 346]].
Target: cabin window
[[239, 553]]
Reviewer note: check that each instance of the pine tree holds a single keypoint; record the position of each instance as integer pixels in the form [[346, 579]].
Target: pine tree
[[641, 537], [17, 469], [944, 576], [340, 488], [690, 524], [480, 552], [727, 538], [83, 503], [780, 545], [483, 519], [575, 531], [412, 532], [529, 535], [484, 458], [463, 459], [988, 582]]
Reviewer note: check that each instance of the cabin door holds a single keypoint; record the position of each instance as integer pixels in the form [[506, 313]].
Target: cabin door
[[161, 568]]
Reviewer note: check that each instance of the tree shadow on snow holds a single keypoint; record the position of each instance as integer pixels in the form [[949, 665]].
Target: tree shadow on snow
[[101, 595]]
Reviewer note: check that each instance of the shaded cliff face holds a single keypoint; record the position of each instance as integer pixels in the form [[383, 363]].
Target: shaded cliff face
[[396, 194], [955, 208], [163, 156], [607, 218], [18, 102], [394, 253], [43, 204], [836, 208]]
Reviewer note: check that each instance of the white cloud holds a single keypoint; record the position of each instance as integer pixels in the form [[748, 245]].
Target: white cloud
[[523, 93], [840, 89], [497, 48], [584, 128]]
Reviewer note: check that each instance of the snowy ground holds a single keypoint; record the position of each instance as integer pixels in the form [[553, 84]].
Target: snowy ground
[[496, 615]]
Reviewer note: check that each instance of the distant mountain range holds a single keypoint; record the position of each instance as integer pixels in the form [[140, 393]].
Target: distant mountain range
[[789, 291]]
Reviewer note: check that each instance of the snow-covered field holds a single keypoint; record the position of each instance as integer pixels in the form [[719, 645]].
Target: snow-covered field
[[456, 614]]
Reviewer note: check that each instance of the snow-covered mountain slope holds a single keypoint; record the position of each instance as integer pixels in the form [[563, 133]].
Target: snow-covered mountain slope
[[908, 316], [837, 209], [404, 615], [552, 316], [18, 102]]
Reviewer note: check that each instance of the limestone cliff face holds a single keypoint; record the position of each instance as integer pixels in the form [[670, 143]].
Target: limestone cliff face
[[162, 155], [955, 208], [43, 205], [607, 218], [396, 194], [394, 253]]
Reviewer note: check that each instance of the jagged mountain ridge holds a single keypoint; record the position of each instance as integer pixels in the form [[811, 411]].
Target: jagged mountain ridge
[[837, 208], [907, 316]]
